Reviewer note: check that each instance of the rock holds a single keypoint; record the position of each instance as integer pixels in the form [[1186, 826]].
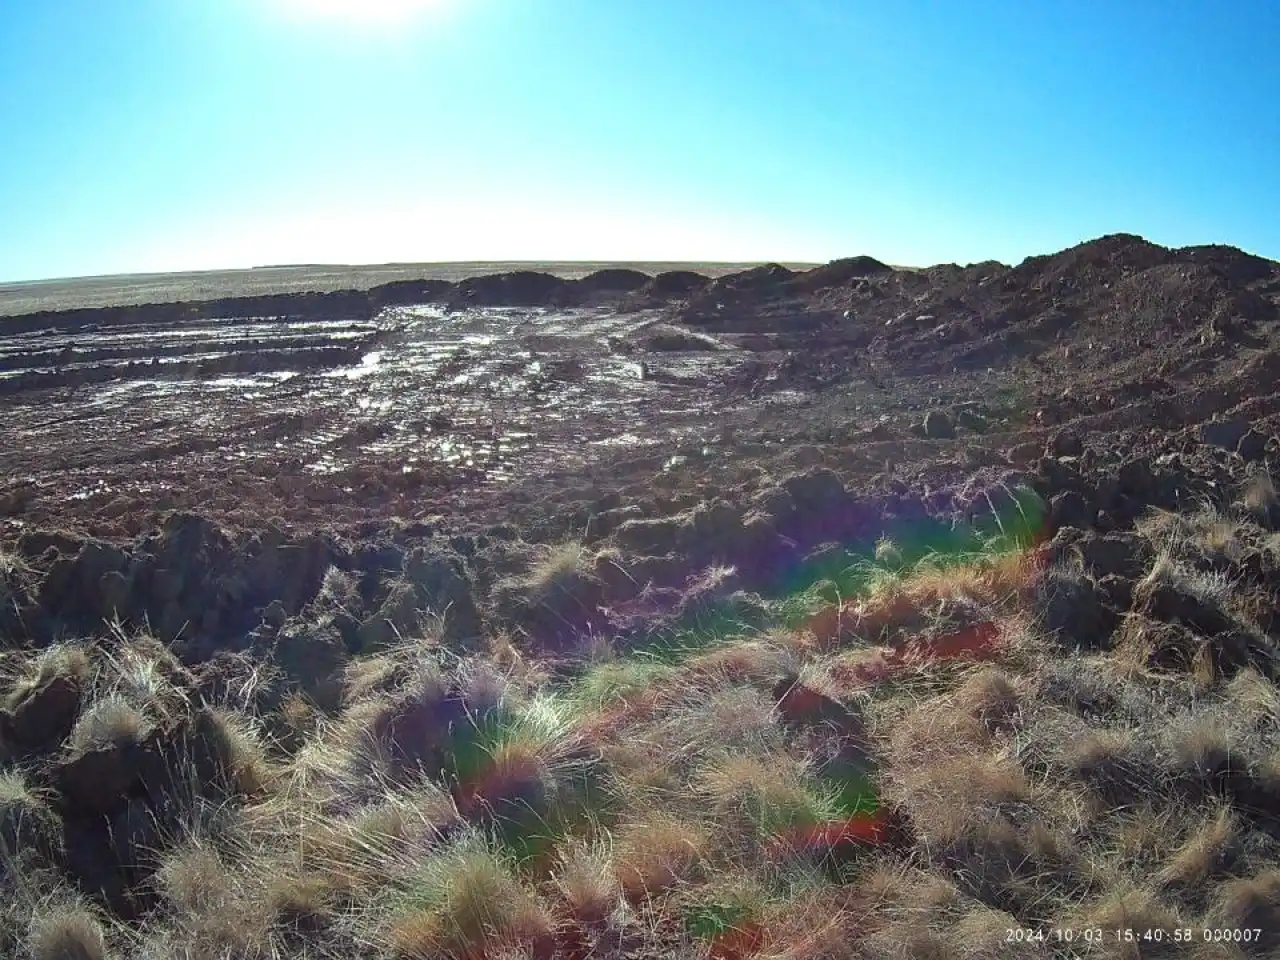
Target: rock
[[939, 426], [817, 489], [1106, 493], [1066, 443], [800, 705], [1170, 603], [1070, 508], [14, 502], [1058, 473], [441, 585], [1023, 454], [775, 503], [1225, 434], [100, 780], [1069, 608], [706, 592], [275, 615], [717, 531], [313, 656], [653, 537], [1253, 446], [603, 524], [115, 590], [1117, 592], [1120, 553], [970, 420], [90, 861], [38, 716], [1137, 479]]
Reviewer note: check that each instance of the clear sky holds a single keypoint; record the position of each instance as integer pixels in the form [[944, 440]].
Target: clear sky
[[153, 135]]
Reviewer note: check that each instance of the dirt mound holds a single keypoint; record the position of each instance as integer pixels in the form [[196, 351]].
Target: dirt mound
[[840, 272], [613, 281], [676, 283], [521, 288]]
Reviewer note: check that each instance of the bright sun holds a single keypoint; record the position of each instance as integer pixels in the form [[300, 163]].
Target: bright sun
[[381, 11]]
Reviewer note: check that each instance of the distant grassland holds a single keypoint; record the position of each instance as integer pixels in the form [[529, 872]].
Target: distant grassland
[[129, 289]]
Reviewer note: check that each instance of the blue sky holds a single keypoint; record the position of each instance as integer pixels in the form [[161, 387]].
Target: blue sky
[[152, 135]]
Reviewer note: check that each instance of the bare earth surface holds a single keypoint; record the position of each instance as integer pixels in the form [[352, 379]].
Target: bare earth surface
[[471, 400], [853, 612], [109, 291]]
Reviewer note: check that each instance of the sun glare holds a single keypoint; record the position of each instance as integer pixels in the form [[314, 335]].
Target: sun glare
[[366, 11]]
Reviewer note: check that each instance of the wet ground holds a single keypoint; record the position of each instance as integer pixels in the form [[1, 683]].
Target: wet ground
[[420, 402], [330, 410]]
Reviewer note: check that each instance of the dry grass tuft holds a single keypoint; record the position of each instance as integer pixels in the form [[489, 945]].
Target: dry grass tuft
[[1252, 903], [897, 603], [1204, 855], [515, 786], [145, 673], [108, 723], [944, 796], [66, 932], [1260, 496], [1254, 697], [765, 793], [28, 824], [194, 878], [744, 662], [1133, 909], [250, 770], [741, 719], [68, 663], [365, 852], [990, 697], [657, 856], [1205, 754], [586, 880], [1112, 763], [209, 906], [466, 903], [557, 567]]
